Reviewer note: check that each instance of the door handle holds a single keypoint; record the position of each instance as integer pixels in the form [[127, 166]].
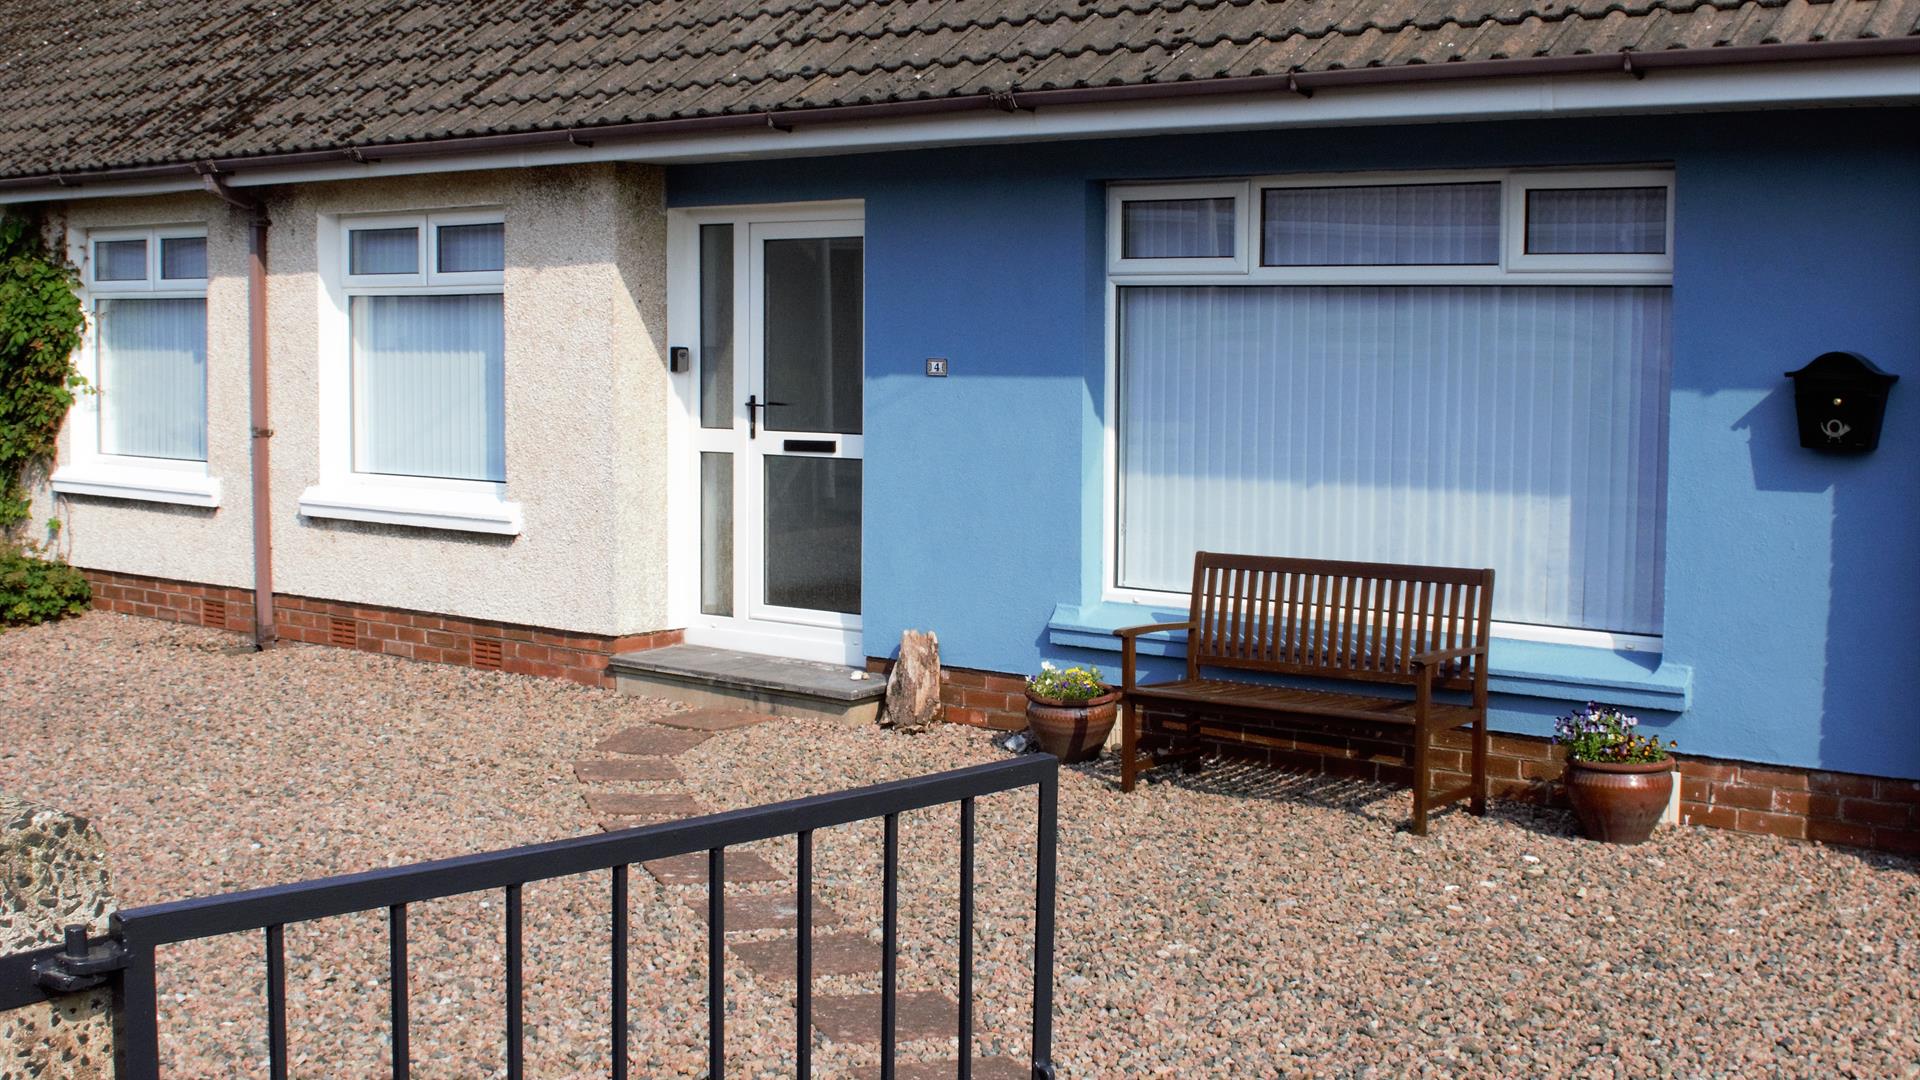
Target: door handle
[[753, 413]]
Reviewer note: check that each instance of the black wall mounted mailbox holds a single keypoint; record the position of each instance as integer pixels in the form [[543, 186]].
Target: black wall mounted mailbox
[[1841, 398]]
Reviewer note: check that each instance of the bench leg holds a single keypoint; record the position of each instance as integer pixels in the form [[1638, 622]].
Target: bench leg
[[1129, 745], [1421, 779], [1478, 805]]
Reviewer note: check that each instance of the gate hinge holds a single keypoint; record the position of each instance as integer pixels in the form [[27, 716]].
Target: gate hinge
[[81, 964], [1043, 1070]]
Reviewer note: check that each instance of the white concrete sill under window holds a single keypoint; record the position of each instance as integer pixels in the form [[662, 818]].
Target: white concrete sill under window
[[422, 508], [129, 478], [1535, 669]]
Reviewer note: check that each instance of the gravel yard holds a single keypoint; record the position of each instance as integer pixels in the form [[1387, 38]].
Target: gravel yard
[[1238, 923]]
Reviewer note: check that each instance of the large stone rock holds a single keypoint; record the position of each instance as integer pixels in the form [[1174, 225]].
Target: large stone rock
[[913, 689], [53, 872]]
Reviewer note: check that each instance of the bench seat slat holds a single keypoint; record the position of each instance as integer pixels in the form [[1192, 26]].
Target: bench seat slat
[[1233, 694]]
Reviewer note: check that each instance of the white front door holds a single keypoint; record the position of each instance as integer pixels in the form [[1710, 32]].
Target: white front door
[[769, 306]]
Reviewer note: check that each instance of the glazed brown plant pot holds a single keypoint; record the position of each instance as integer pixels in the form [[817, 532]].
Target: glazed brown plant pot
[[1072, 731], [1619, 802]]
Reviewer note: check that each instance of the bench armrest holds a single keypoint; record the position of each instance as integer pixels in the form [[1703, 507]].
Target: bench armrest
[[1129, 640], [1434, 657], [1130, 632]]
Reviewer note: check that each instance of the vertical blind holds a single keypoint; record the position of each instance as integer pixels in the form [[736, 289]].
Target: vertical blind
[[1382, 225], [153, 377], [1597, 221], [429, 385], [1517, 427], [1176, 228]]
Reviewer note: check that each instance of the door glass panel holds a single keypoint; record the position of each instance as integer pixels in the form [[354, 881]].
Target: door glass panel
[[716, 534], [813, 533], [813, 335], [716, 326]]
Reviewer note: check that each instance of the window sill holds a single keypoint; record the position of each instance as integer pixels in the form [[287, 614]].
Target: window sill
[[1535, 669], [180, 487], [421, 509]]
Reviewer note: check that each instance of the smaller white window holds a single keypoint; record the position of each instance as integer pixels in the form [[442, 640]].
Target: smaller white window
[[1591, 221], [1178, 228], [142, 433], [413, 398]]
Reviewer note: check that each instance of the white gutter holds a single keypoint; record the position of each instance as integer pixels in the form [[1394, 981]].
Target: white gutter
[[1828, 83]]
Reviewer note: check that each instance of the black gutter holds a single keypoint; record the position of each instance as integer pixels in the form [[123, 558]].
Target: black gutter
[[1302, 83]]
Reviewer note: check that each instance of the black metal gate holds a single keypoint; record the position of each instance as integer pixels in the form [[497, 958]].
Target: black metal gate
[[124, 959]]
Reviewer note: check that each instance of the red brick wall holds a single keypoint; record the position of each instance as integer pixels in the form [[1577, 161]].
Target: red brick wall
[[416, 635], [985, 699]]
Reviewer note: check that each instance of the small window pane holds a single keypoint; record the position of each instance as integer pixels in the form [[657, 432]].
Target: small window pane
[[153, 377], [383, 251], [120, 260], [716, 534], [183, 258], [1176, 229], [1597, 221], [1386, 225], [466, 249], [716, 326], [429, 385]]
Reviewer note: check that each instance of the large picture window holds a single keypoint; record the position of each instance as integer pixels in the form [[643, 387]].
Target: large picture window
[[149, 305], [1422, 411], [426, 326]]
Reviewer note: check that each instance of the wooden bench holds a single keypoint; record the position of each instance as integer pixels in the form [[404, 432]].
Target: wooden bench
[[1424, 628]]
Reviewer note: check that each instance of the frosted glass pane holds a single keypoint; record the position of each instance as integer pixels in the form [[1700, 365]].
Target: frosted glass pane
[[813, 533], [716, 326], [120, 260], [428, 386], [183, 258], [1597, 221], [1387, 225], [716, 533], [153, 377], [1522, 428], [383, 251], [467, 249], [813, 350], [1176, 229]]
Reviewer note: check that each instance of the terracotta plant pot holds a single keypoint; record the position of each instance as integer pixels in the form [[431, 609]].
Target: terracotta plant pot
[[1619, 802], [1072, 731]]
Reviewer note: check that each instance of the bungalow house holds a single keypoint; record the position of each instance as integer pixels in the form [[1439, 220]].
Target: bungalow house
[[543, 337]]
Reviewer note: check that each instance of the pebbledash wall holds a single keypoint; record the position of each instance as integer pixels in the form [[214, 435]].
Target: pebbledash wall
[[1791, 585], [586, 384]]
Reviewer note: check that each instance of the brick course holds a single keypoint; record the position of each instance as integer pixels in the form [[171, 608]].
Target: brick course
[[415, 635]]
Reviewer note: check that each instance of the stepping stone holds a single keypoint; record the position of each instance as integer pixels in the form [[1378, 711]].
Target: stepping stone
[[711, 720], [855, 1018], [833, 954], [764, 911], [691, 868], [630, 802], [619, 772], [994, 1068], [652, 740]]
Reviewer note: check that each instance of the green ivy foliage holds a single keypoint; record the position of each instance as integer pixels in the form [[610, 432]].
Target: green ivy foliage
[[34, 590], [40, 327]]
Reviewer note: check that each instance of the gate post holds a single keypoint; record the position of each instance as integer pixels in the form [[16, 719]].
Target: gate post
[[53, 873]]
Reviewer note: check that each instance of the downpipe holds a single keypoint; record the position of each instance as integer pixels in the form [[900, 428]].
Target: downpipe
[[258, 420]]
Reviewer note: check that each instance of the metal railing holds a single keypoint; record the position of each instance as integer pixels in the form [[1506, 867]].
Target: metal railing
[[125, 958]]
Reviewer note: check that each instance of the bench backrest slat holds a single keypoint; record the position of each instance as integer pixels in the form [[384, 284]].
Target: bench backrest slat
[[1350, 620]]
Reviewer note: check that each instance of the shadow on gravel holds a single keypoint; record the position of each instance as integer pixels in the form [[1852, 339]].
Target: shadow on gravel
[[1386, 803]]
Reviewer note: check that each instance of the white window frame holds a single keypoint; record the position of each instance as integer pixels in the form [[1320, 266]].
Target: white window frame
[[1593, 270], [88, 470], [383, 498], [1118, 195], [1515, 220]]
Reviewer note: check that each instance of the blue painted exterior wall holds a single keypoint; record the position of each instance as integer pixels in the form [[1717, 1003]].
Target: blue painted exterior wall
[[1792, 629]]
